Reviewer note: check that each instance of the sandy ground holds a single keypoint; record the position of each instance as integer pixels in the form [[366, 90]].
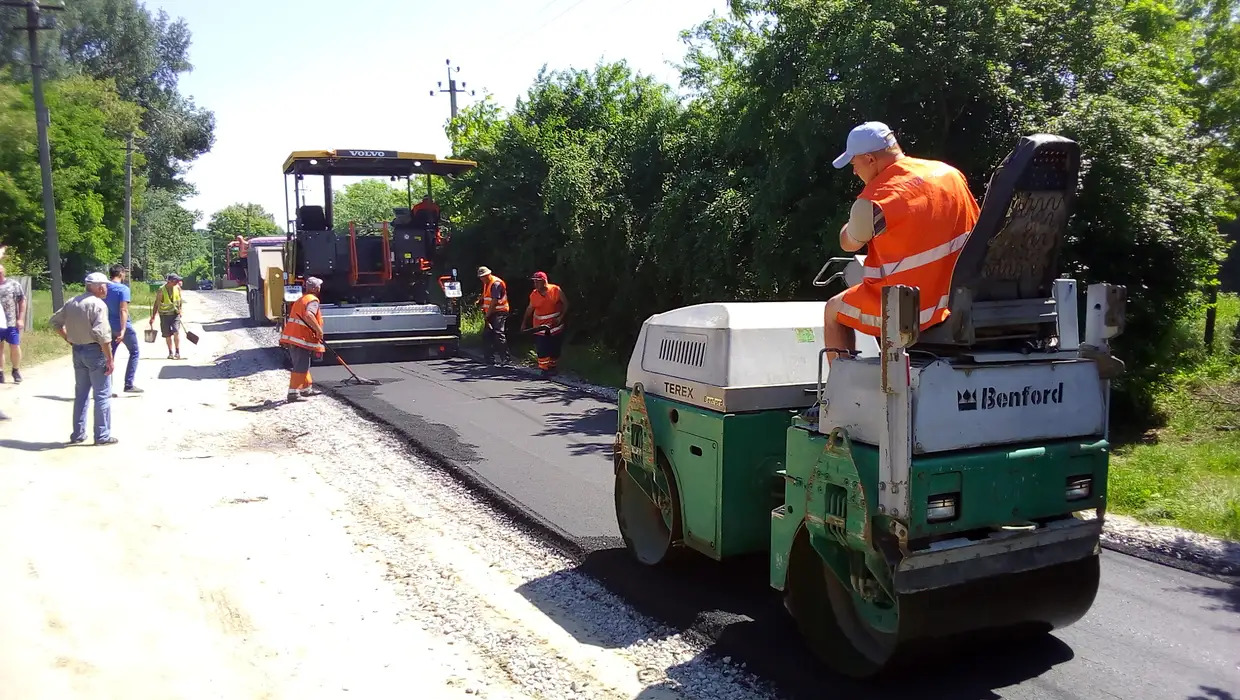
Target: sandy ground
[[231, 546]]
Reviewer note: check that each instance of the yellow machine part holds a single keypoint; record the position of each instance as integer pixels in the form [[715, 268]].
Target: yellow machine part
[[273, 301]]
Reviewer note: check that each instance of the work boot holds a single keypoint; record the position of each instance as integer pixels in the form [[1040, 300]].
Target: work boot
[[294, 396], [132, 390], [17, 376], [310, 392]]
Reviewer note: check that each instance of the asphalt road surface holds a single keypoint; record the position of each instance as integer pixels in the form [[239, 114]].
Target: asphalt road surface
[[544, 449]]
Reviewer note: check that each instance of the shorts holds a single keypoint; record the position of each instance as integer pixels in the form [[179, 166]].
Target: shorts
[[10, 335], [169, 325]]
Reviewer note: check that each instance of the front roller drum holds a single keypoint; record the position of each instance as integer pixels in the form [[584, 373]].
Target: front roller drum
[[861, 639], [651, 528]]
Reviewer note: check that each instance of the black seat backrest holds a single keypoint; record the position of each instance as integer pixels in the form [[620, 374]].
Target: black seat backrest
[[1003, 284], [310, 217]]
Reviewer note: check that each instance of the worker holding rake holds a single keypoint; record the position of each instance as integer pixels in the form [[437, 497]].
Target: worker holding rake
[[303, 336]]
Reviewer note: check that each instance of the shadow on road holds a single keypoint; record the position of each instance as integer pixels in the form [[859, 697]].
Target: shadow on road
[[1208, 693], [732, 605], [64, 399], [240, 363], [1222, 597], [32, 446]]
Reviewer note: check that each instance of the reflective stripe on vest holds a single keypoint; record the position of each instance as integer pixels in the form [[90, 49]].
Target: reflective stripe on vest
[[167, 304], [296, 331], [487, 285], [929, 213], [547, 303]]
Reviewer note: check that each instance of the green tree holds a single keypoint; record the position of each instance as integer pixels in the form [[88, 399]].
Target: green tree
[[144, 54], [88, 161], [165, 240], [247, 219], [640, 202], [366, 202]]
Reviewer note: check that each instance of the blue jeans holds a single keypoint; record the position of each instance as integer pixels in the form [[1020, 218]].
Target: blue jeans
[[131, 344], [89, 374]]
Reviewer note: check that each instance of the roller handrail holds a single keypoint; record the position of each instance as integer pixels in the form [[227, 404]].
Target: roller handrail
[[818, 282]]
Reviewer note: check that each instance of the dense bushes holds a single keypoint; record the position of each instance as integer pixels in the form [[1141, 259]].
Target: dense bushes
[[637, 201]]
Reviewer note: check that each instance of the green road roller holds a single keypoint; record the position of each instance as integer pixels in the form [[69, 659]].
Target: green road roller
[[931, 483]]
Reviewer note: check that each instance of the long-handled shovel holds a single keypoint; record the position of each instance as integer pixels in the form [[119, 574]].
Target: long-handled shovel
[[356, 379]]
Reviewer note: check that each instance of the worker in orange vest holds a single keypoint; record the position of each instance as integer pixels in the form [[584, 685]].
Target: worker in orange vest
[[546, 311], [303, 336], [494, 303], [915, 215]]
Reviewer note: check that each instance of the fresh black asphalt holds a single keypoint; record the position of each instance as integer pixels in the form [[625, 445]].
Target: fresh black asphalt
[[544, 450]]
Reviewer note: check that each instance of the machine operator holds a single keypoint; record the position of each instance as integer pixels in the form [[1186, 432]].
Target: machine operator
[[915, 215], [425, 212]]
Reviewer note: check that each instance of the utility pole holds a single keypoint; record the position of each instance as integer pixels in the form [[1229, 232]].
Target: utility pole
[[452, 89], [42, 120], [129, 208]]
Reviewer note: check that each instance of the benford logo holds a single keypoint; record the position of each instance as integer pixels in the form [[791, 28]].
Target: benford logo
[[991, 398]]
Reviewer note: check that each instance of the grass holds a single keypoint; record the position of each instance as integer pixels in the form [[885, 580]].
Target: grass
[[40, 344], [1187, 472], [590, 362]]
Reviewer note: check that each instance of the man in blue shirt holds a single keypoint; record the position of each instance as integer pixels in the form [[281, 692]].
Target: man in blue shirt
[[122, 330]]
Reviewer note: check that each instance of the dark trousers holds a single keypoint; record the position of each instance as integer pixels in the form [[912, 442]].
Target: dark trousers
[[548, 348], [131, 344], [495, 336]]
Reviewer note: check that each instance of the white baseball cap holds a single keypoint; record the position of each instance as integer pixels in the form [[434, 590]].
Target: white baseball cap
[[866, 138], [96, 278]]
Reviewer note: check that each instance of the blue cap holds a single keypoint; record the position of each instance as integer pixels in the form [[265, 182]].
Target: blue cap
[[867, 138]]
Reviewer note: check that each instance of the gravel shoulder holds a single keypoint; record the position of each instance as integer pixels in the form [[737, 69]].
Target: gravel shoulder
[[233, 545]]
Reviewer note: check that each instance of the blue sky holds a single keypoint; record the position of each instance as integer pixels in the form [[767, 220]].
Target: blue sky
[[288, 75]]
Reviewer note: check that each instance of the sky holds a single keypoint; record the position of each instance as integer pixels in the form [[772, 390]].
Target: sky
[[288, 75]]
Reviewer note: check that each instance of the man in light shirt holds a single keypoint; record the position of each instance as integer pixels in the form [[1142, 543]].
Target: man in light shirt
[[83, 323]]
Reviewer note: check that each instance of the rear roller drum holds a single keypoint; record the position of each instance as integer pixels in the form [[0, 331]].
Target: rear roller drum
[[862, 639], [852, 636], [651, 531]]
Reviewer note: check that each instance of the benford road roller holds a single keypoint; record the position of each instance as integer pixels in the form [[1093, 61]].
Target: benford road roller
[[931, 483]]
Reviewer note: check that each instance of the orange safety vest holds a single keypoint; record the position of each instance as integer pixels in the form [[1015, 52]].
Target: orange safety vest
[[487, 302], [545, 311], [296, 331], [929, 213]]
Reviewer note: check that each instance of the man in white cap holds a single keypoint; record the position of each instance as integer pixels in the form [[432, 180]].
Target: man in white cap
[[303, 336], [494, 303], [83, 323], [915, 215]]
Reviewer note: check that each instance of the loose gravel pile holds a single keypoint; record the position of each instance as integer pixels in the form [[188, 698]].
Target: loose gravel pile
[[466, 571]]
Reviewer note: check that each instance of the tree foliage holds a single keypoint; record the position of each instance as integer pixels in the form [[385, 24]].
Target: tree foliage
[[638, 201], [241, 219], [366, 202], [88, 163], [165, 240], [112, 70]]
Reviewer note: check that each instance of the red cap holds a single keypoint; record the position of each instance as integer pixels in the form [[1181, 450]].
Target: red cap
[[539, 276]]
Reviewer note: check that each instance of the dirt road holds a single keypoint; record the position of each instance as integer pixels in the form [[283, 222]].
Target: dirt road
[[232, 546]]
